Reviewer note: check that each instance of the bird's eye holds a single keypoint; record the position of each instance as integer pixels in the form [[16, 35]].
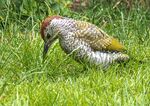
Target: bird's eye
[[48, 36]]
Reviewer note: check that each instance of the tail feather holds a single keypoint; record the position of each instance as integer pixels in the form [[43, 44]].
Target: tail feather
[[116, 46]]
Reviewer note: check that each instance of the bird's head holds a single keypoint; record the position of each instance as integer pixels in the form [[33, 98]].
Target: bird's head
[[47, 33]]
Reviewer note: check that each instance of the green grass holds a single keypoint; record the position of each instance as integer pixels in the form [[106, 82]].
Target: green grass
[[26, 80]]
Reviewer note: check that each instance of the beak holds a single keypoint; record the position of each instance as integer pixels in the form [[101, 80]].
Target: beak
[[47, 45]]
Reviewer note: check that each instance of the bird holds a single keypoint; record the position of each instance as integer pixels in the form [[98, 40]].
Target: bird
[[84, 41]]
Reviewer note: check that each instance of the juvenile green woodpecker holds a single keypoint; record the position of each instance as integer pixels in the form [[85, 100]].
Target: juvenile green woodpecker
[[85, 41]]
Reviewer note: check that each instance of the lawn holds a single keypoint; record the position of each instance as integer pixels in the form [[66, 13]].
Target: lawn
[[25, 79]]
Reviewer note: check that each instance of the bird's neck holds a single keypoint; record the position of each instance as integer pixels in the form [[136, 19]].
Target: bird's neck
[[57, 23], [63, 26]]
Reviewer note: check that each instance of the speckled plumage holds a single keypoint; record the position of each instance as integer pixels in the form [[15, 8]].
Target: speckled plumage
[[85, 41]]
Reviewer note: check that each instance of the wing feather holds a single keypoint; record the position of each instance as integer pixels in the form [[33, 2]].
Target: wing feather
[[97, 38]]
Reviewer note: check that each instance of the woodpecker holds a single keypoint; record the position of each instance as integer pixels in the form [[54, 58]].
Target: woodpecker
[[86, 42]]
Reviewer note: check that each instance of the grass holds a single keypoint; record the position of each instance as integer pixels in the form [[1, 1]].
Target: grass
[[26, 80]]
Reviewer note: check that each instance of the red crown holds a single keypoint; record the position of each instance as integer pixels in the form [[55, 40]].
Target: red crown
[[46, 22]]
